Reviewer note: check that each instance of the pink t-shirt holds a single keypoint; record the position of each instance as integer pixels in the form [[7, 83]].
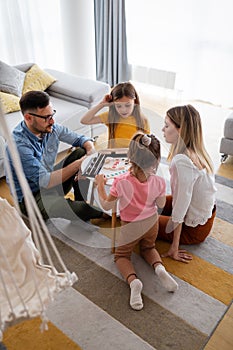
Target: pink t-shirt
[[137, 199]]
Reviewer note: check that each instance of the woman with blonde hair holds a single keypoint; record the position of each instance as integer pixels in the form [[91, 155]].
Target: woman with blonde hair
[[189, 213]]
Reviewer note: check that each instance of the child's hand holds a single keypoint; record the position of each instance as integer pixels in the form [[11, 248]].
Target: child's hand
[[107, 100], [100, 179]]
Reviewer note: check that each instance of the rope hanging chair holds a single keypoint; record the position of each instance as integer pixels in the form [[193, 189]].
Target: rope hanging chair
[[29, 280]]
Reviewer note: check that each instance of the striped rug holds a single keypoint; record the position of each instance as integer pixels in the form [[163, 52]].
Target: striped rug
[[95, 313]]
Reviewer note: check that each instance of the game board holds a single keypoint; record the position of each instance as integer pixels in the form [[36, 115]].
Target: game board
[[110, 164]]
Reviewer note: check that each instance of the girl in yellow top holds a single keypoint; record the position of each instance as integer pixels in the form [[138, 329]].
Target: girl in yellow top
[[124, 117]]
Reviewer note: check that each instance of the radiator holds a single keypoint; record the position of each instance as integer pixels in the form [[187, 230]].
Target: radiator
[[154, 76]]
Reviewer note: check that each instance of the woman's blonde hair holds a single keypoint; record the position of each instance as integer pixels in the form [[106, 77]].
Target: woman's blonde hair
[[187, 119], [119, 91], [144, 153]]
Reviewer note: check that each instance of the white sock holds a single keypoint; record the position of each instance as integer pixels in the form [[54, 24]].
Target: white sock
[[135, 296], [166, 280]]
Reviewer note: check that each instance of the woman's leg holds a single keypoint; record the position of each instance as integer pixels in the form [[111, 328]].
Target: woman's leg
[[164, 219], [189, 235], [196, 235]]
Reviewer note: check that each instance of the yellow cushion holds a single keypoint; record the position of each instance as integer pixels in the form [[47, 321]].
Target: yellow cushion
[[37, 79], [9, 102]]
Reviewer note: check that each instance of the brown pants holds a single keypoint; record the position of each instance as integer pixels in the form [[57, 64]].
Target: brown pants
[[143, 233], [189, 235]]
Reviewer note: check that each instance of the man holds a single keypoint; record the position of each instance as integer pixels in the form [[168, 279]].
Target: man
[[37, 139]]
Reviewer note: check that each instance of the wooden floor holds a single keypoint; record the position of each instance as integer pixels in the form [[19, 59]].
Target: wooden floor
[[213, 120], [222, 338]]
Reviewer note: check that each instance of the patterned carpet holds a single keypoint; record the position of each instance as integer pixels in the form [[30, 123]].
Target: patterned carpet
[[27, 335], [95, 313]]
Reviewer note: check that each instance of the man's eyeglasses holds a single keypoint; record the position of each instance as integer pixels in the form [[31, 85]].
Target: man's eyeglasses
[[45, 117]]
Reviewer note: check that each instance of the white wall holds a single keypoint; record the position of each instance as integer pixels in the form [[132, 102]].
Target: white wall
[[79, 37]]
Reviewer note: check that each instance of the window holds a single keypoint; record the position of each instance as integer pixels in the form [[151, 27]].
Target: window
[[193, 39]]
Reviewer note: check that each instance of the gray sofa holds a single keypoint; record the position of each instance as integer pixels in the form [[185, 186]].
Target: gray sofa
[[71, 96], [226, 145]]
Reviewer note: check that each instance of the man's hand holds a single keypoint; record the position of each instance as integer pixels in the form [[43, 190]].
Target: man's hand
[[78, 175], [61, 175], [89, 147], [78, 163], [91, 151]]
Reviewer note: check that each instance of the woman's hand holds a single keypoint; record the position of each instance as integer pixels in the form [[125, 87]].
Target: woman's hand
[[174, 252], [178, 254]]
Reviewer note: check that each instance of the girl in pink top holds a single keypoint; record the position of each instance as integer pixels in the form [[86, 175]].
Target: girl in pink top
[[140, 192]]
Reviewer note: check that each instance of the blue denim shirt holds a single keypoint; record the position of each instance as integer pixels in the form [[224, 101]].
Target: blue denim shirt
[[38, 156]]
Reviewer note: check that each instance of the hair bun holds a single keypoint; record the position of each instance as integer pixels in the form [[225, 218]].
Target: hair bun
[[146, 140]]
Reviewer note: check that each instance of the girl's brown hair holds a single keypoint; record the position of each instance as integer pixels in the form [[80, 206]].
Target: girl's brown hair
[[144, 153], [187, 119], [119, 91]]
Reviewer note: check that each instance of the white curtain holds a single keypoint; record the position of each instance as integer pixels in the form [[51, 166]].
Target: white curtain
[[192, 38], [30, 31]]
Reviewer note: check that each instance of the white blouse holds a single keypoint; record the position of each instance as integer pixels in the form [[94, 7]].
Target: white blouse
[[193, 192]]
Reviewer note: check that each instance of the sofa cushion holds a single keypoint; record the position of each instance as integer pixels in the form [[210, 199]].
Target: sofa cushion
[[68, 113], [73, 88], [11, 79], [10, 103], [37, 79], [24, 67]]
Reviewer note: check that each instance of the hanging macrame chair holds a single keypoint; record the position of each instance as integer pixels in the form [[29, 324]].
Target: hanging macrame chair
[[29, 279]]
